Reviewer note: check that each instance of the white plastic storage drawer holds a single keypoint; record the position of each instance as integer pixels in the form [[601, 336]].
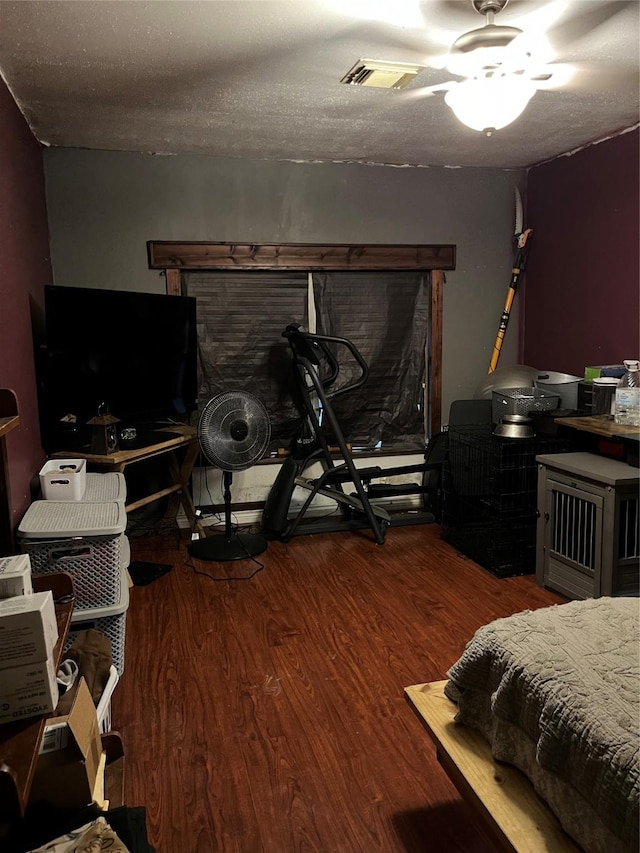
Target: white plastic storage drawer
[[85, 539], [63, 479], [110, 621]]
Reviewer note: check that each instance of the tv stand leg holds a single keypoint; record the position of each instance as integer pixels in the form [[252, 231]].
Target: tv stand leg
[[181, 474]]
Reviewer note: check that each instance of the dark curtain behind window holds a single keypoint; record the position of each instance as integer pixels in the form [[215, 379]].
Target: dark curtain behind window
[[240, 317], [386, 316]]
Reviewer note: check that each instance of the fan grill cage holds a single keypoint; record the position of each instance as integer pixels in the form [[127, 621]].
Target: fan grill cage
[[234, 430]]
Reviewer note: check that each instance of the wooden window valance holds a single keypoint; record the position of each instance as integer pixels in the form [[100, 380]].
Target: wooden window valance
[[298, 256]]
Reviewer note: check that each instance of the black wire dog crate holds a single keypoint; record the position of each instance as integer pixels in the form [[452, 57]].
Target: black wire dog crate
[[490, 497]]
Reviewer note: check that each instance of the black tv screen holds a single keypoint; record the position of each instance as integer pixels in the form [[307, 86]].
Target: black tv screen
[[136, 352]]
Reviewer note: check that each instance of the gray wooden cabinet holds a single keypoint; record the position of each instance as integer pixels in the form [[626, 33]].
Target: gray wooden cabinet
[[587, 538]]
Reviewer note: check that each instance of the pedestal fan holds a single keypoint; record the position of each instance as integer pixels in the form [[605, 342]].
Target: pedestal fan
[[234, 433]]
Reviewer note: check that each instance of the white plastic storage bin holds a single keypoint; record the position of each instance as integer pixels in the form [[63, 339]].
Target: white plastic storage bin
[[85, 539], [63, 479], [103, 709], [110, 621]]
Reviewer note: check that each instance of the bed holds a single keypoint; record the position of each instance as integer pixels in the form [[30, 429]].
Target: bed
[[556, 694]]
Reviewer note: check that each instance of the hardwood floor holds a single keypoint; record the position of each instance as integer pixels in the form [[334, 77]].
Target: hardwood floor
[[269, 715]]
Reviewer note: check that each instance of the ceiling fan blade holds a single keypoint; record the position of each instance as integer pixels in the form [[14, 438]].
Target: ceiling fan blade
[[582, 21], [589, 78], [400, 13], [426, 91], [539, 20], [555, 75]]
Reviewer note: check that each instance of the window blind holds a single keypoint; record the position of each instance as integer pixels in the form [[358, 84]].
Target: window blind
[[240, 319], [386, 316]]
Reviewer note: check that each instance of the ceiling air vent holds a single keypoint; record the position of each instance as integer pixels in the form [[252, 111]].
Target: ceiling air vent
[[384, 75]]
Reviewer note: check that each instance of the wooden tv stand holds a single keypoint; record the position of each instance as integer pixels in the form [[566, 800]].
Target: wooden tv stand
[[185, 439]]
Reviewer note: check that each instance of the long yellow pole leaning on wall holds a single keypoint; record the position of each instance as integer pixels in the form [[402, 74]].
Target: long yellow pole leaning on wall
[[516, 272]]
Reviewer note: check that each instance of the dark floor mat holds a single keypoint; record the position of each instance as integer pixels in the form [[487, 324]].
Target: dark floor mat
[[145, 573]]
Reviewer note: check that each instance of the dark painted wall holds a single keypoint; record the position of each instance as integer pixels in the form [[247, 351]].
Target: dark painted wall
[[582, 294], [104, 206], [24, 270]]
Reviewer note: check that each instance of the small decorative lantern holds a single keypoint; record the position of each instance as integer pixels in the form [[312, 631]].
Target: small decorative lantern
[[104, 435]]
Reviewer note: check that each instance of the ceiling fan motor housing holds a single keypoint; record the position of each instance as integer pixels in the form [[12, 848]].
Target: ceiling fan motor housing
[[486, 6]]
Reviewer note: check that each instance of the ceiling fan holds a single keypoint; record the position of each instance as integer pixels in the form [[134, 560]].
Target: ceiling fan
[[501, 68]]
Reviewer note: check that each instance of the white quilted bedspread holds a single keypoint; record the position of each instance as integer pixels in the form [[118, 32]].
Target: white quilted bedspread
[[568, 677]]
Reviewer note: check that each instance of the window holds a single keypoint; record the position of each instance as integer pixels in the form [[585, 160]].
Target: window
[[263, 287], [386, 315], [240, 319]]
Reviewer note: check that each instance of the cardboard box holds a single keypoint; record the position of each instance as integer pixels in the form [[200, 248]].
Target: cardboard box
[[70, 754], [15, 576], [28, 629], [28, 691]]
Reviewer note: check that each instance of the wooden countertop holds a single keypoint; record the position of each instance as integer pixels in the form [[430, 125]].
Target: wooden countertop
[[601, 425]]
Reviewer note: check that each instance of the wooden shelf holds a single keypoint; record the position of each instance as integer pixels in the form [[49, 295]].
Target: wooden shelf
[[8, 407], [9, 420], [7, 424], [20, 741]]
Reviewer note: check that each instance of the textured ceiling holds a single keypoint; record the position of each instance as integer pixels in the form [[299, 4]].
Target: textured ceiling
[[260, 79]]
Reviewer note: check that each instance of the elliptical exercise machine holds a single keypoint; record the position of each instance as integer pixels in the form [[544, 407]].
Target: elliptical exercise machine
[[316, 370]]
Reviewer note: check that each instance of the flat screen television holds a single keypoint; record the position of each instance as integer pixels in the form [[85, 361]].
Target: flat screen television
[[136, 352]]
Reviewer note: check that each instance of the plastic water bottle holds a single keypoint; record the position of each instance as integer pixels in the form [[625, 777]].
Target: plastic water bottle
[[627, 404]]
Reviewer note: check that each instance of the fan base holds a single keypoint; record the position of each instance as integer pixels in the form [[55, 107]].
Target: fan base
[[220, 548]]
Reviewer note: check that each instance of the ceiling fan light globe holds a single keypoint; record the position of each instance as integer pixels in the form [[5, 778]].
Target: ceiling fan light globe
[[490, 103]]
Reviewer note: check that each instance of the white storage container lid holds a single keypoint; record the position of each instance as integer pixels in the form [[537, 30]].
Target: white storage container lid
[[552, 377], [105, 487], [53, 519]]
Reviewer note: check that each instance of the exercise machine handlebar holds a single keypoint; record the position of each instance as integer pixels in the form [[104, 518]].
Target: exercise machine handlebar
[[305, 346]]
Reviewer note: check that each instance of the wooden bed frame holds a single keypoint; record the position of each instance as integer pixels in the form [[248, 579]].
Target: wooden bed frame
[[500, 795]]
